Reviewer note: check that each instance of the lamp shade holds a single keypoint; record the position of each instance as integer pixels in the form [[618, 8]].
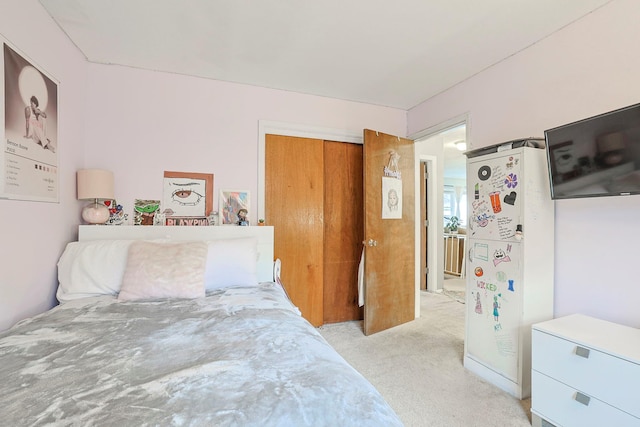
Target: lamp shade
[[95, 184]]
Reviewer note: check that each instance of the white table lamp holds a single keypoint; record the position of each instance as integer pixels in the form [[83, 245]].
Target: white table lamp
[[96, 185]]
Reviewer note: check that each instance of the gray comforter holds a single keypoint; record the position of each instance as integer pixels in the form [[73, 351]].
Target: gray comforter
[[242, 356]]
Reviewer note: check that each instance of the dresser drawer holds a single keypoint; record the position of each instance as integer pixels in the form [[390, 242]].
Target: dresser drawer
[[608, 378], [560, 405]]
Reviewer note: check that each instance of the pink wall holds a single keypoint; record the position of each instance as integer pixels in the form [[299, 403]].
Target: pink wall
[[138, 124], [587, 68], [33, 235], [142, 123]]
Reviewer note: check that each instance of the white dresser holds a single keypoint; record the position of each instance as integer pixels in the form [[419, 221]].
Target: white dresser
[[585, 372]]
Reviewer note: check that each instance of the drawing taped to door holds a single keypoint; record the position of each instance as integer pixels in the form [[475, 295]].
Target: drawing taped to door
[[391, 198]]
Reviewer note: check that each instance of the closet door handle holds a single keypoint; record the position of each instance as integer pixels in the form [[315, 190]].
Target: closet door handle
[[582, 398], [582, 352]]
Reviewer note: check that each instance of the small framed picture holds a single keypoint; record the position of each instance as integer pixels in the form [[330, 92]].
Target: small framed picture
[[144, 211], [234, 207], [116, 213]]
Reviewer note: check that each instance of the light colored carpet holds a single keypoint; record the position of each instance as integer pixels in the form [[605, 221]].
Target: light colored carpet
[[418, 369], [455, 288]]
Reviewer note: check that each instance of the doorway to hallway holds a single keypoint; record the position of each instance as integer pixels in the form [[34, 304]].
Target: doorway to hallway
[[442, 195]]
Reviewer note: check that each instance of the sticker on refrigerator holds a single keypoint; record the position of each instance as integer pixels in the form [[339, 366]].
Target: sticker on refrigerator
[[481, 251], [500, 256], [484, 173], [478, 303], [510, 199], [511, 181], [496, 308], [495, 201]]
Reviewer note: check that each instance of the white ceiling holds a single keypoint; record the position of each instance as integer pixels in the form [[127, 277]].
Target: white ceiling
[[390, 53]]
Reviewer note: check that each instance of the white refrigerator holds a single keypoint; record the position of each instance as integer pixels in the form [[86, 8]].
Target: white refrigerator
[[509, 260]]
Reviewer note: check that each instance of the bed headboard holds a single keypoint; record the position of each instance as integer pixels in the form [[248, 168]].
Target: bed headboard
[[264, 234]]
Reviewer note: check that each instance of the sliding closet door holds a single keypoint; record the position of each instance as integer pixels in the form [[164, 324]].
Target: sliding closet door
[[314, 199], [343, 230], [294, 199]]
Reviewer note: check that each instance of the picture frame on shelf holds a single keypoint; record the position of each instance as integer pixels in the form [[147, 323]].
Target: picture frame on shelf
[[187, 194], [144, 211], [230, 204], [116, 213]]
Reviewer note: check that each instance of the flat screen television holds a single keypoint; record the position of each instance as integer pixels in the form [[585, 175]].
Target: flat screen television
[[597, 156]]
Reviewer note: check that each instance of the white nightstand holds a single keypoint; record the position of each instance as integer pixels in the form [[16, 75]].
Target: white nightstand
[[585, 372]]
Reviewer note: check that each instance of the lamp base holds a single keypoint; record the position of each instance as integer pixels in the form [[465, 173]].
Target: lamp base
[[95, 213]]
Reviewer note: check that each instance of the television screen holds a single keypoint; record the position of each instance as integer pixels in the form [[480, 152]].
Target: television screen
[[597, 156]]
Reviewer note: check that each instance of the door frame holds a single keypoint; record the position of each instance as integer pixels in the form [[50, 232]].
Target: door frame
[[332, 134], [435, 167]]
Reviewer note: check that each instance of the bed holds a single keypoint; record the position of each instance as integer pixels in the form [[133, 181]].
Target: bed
[[177, 326]]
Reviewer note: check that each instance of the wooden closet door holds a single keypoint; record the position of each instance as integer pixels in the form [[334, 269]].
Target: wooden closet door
[[294, 187], [343, 230]]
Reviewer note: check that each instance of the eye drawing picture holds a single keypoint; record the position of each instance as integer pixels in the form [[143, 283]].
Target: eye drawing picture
[[187, 195], [184, 197]]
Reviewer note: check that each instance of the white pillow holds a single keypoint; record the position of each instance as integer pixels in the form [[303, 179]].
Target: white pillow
[[231, 262], [91, 268], [164, 270]]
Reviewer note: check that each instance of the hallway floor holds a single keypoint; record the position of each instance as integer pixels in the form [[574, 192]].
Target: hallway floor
[[454, 287]]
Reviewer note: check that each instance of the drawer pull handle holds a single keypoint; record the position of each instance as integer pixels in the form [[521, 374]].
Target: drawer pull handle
[[582, 352], [582, 398]]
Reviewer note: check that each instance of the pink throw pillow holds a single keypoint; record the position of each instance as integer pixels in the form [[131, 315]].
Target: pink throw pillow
[[164, 270]]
